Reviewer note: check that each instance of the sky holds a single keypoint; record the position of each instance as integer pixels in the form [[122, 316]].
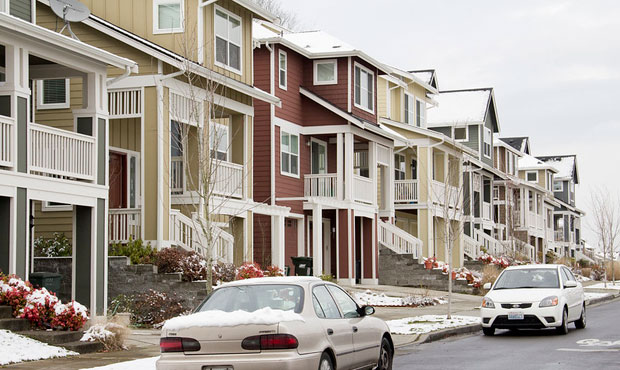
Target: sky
[[555, 66]]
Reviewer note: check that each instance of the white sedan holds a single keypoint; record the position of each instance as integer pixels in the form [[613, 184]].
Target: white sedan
[[277, 323], [534, 296]]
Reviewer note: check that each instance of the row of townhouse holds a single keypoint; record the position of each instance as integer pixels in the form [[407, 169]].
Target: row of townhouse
[[312, 147]]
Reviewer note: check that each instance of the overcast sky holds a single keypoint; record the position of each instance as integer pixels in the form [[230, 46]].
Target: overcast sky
[[555, 65]]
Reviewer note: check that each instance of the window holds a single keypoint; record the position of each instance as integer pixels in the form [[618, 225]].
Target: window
[[347, 305], [167, 16], [510, 166], [409, 108], [282, 67], [318, 156], [420, 110], [364, 88], [289, 148], [558, 186], [227, 40], [488, 137], [53, 94], [325, 72], [250, 298], [219, 141], [55, 207], [460, 134], [399, 167], [4, 6], [531, 176], [325, 307], [549, 184]]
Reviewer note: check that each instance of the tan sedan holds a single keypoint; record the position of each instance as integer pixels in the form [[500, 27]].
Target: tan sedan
[[277, 323]]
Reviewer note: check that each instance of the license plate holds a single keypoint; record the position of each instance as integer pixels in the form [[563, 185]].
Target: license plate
[[515, 316], [217, 368]]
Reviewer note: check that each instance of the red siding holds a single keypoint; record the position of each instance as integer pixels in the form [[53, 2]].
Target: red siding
[[288, 186], [262, 135], [372, 117], [335, 94], [290, 242], [291, 99]]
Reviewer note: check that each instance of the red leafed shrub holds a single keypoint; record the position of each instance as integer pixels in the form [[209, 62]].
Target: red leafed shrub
[[14, 291], [273, 271], [224, 272], [70, 316], [249, 270], [40, 308], [153, 308], [190, 264]]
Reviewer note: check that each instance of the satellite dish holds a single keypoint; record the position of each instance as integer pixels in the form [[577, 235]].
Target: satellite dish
[[69, 11]]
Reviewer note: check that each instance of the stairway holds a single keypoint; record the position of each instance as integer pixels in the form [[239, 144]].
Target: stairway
[[185, 232], [399, 241], [67, 339]]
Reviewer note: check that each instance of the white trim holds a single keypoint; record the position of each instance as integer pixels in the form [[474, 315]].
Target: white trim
[[227, 67], [368, 71], [315, 73], [43, 106], [487, 133], [156, 29], [280, 69], [466, 128], [529, 172], [349, 85], [561, 187], [288, 126], [411, 119], [282, 172], [421, 113], [138, 186], [47, 207], [4, 6]]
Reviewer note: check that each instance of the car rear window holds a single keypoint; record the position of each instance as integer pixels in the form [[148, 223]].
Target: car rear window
[[255, 297], [528, 278]]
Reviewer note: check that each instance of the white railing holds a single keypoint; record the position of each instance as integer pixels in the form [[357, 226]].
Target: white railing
[[540, 222], [441, 191], [182, 232], [6, 141], [486, 210], [398, 240], [228, 179], [471, 247], [321, 185], [125, 103], [176, 175], [184, 109], [406, 190], [223, 245], [363, 189], [559, 236], [61, 153], [124, 225], [186, 233], [491, 244]]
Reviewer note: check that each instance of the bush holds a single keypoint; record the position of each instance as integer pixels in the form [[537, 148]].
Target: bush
[[490, 273], [190, 264], [587, 272], [326, 277], [153, 308], [70, 316], [111, 335], [273, 271], [616, 270], [583, 263], [249, 270], [40, 308], [137, 252], [58, 246], [224, 272], [13, 292]]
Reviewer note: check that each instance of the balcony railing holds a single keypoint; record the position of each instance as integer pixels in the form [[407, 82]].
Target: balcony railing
[[124, 225], [442, 192], [406, 191], [559, 236], [321, 185], [398, 240], [486, 210], [228, 179], [61, 153], [6, 141], [363, 189], [186, 233], [176, 175]]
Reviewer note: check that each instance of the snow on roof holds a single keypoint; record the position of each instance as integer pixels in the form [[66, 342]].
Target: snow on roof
[[467, 106], [217, 318], [531, 162], [425, 76], [564, 164]]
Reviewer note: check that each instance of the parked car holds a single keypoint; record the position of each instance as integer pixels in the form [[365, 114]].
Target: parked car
[[534, 296], [277, 323]]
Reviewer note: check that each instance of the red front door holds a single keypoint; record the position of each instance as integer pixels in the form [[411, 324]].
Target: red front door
[[118, 180]]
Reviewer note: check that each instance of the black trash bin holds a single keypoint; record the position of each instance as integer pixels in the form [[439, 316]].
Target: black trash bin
[[48, 280], [303, 266]]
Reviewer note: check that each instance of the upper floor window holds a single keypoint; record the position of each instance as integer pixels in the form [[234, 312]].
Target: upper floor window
[[486, 144], [53, 94], [558, 186], [219, 141], [227, 40], [531, 176], [289, 149], [326, 72], [460, 134], [510, 163], [282, 68], [167, 16], [420, 111], [4, 6], [549, 184], [399, 167], [364, 88], [409, 110]]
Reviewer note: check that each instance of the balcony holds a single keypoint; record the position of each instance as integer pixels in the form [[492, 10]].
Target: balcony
[[486, 210], [227, 178], [124, 225], [6, 141], [442, 192], [363, 189], [406, 191], [321, 185]]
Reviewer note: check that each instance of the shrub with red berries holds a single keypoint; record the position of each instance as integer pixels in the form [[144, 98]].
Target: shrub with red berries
[[249, 270]]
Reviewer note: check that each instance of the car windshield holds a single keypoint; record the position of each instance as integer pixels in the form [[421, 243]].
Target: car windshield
[[528, 278], [254, 297]]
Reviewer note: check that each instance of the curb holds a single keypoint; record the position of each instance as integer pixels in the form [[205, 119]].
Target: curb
[[596, 301]]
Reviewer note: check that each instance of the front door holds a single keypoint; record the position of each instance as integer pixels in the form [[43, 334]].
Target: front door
[[319, 156], [327, 247], [118, 180]]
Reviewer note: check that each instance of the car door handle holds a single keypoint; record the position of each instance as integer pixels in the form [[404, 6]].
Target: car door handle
[[330, 332], [355, 329]]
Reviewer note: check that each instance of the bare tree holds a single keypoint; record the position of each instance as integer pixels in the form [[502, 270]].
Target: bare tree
[[286, 19], [606, 224]]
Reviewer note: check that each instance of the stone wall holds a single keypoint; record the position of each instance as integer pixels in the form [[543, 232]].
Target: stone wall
[[59, 265]]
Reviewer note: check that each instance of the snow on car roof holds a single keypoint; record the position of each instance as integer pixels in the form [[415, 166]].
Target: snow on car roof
[[217, 318], [466, 106], [272, 280]]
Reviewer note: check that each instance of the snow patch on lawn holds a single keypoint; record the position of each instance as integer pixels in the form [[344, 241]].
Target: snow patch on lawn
[[142, 364], [216, 318], [429, 323], [589, 296], [372, 298], [16, 348], [609, 285]]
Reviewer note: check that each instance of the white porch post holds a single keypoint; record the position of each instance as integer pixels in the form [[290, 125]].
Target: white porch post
[[317, 239], [389, 180], [277, 242], [348, 166], [339, 166]]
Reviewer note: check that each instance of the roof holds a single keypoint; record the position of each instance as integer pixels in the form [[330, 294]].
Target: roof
[[500, 142], [397, 75], [462, 107], [256, 9], [565, 164], [528, 162], [522, 144], [427, 75]]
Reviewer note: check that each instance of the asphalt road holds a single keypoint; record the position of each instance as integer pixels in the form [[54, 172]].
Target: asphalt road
[[595, 347]]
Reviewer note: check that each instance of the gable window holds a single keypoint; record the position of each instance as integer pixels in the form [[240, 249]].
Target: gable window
[[558, 186], [53, 94], [531, 176], [399, 167], [460, 134], [409, 110], [282, 67], [420, 110], [289, 149], [486, 144], [219, 141], [326, 72], [167, 16], [227, 40], [364, 88]]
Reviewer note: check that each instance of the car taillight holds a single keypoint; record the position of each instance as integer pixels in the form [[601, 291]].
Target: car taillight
[[269, 342], [173, 344]]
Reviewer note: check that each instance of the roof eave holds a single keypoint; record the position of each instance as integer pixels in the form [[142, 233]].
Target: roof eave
[[258, 10]]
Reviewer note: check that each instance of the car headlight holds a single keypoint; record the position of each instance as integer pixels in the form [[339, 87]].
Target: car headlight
[[549, 301], [487, 303]]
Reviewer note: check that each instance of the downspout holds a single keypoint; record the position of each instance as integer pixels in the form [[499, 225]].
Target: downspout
[[121, 77]]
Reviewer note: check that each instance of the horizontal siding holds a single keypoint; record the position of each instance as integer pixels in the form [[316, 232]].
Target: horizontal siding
[[372, 117], [46, 223], [291, 98], [262, 134], [335, 94], [21, 9], [125, 133]]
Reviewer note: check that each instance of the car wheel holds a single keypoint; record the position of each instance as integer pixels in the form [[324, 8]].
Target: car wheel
[[385, 356], [326, 362], [488, 331], [581, 323], [563, 329]]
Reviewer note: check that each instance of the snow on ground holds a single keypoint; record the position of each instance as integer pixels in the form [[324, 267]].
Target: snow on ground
[[589, 296], [602, 286], [372, 298], [16, 348], [142, 364], [428, 323], [264, 316]]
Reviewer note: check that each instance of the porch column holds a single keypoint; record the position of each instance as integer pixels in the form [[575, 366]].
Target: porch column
[[389, 183], [348, 166], [372, 163], [317, 239], [5, 233], [277, 242], [18, 263], [339, 166]]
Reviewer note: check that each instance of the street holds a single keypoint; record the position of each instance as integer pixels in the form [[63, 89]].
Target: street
[[596, 347]]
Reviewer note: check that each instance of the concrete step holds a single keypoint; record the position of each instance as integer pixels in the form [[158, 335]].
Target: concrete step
[[53, 337], [15, 324], [6, 312], [83, 347]]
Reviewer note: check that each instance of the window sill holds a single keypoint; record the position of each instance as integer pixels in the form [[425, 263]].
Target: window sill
[[363, 108], [168, 31], [228, 68], [287, 174]]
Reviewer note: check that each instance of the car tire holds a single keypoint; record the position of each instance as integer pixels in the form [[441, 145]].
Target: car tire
[[385, 356], [581, 323], [488, 331], [326, 362], [563, 329]]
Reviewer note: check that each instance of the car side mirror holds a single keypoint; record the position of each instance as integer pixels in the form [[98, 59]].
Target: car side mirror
[[367, 310], [570, 284], [486, 286]]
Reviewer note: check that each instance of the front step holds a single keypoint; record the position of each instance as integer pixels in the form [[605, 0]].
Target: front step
[[53, 337], [14, 324], [83, 347], [6, 312]]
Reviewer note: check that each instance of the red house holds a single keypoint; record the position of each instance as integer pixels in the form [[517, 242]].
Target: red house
[[322, 153]]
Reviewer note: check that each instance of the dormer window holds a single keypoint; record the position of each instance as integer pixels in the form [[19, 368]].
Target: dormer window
[[326, 72], [531, 176], [364, 88], [460, 134], [167, 16], [558, 186], [227, 40]]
